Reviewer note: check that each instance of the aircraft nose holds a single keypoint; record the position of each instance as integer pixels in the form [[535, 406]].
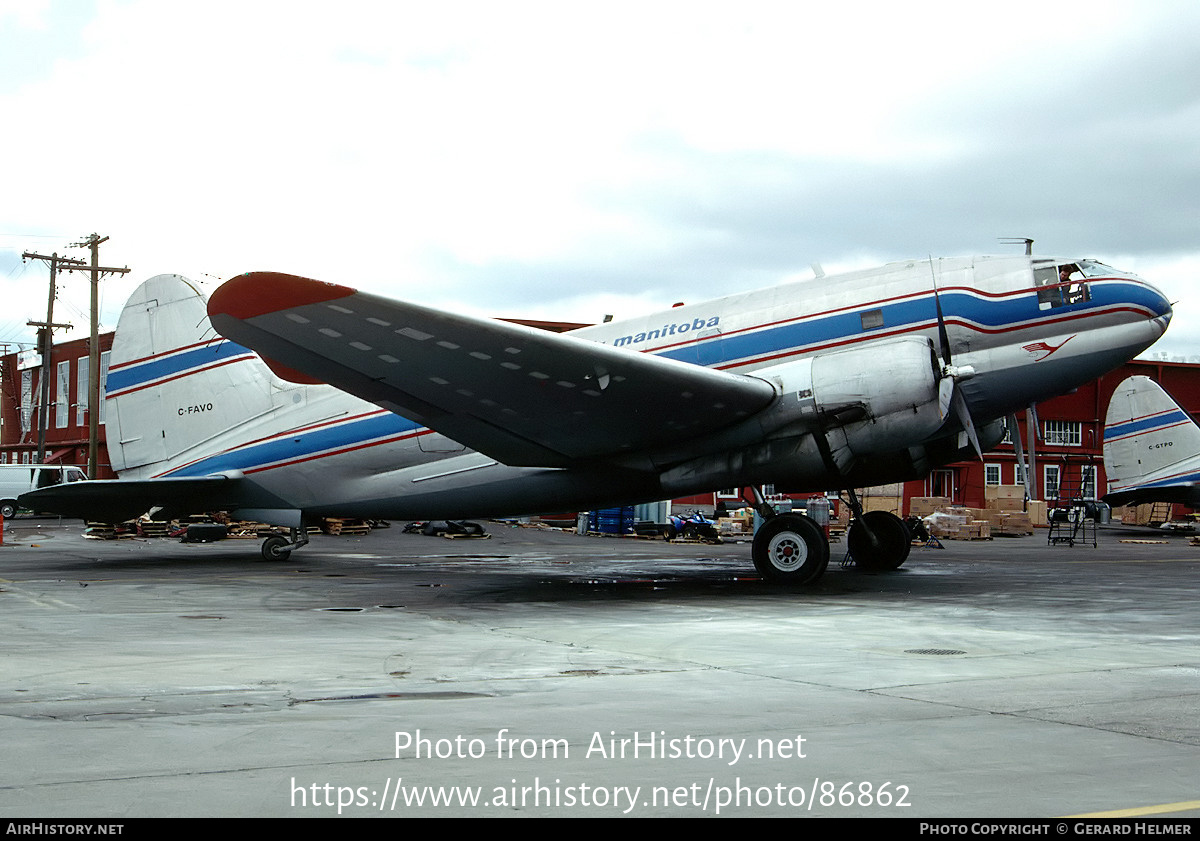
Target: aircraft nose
[[1161, 308]]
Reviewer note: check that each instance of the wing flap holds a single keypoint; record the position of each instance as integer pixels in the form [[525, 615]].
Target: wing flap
[[520, 395]]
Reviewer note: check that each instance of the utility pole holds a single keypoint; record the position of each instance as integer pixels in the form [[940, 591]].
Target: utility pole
[[47, 342], [67, 264], [93, 396]]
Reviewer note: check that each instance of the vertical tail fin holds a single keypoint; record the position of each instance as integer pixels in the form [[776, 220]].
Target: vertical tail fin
[[1148, 440], [173, 382]]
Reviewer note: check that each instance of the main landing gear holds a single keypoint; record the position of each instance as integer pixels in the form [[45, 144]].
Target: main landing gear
[[788, 548], [878, 541], [793, 549], [278, 548]]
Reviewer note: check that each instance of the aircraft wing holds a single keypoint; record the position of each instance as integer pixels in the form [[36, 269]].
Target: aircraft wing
[[520, 395], [117, 500]]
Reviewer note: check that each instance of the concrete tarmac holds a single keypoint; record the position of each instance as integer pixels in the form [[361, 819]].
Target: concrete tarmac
[[543, 673]]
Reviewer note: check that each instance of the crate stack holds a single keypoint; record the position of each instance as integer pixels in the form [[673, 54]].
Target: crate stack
[[612, 520]]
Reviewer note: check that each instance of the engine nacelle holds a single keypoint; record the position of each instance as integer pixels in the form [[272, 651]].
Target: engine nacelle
[[867, 399], [836, 412]]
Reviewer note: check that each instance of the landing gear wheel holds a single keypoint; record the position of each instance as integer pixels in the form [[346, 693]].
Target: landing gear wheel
[[273, 548], [790, 549], [879, 541]]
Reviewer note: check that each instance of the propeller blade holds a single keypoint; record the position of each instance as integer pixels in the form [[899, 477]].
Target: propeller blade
[[943, 335], [964, 417], [945, 396]]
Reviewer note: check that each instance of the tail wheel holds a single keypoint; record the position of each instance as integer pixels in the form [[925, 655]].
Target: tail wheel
[[273, 548], [879, 541], [790, 549]]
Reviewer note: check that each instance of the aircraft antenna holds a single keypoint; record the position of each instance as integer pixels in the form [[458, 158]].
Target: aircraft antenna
[[1017, 241]]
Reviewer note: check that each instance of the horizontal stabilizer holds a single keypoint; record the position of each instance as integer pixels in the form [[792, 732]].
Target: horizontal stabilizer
[[117, 500]]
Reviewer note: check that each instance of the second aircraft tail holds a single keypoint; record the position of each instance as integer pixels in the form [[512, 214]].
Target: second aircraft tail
[[1151, 445]]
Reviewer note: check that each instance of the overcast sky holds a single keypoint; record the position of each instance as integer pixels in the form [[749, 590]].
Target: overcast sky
[[564, 160]]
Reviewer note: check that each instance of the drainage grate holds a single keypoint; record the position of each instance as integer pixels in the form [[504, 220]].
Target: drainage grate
[[933, 651]]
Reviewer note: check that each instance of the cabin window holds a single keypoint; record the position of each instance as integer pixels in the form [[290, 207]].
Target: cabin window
[[872, 319], [1060, 284]]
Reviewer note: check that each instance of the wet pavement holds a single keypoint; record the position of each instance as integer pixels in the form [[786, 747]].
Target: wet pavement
[[543, 673]]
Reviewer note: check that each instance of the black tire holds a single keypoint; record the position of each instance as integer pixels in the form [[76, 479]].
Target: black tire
[[464, 527], [668, 533], [790, 549], [8, 509], [272, 548], [879, 541]]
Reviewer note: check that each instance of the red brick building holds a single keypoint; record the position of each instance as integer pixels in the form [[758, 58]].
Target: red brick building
[[66, 416]]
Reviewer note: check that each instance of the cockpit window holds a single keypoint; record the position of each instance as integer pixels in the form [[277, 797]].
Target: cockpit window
[[1092, 268], [1061, 284]]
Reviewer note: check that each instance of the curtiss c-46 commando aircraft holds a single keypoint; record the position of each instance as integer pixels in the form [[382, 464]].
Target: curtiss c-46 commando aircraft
[[320, 400]]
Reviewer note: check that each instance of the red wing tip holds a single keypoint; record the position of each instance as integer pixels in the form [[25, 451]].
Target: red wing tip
[[259, 293], [290, 374]]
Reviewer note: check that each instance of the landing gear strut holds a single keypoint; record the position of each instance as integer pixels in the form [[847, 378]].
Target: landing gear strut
[[278, 548], [788, 548], [878, 540]]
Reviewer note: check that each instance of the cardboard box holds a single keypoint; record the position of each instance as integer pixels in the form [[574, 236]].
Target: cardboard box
[[1037, 512], [923, 506], [1010, 523], [883, 503], [991, 492]]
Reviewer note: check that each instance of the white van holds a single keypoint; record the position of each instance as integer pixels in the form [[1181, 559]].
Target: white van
[[16, 479]]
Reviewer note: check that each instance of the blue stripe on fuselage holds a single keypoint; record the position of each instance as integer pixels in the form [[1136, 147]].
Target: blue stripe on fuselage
[[172, 365], [990, 314], [301, 444]]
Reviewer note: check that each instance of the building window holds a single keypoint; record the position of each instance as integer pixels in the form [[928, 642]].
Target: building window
[[729, 493], [1063, 433], [1087, 475], [81, 391], [62, 399], [26, 399], [1051, 476], [991, 474]]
